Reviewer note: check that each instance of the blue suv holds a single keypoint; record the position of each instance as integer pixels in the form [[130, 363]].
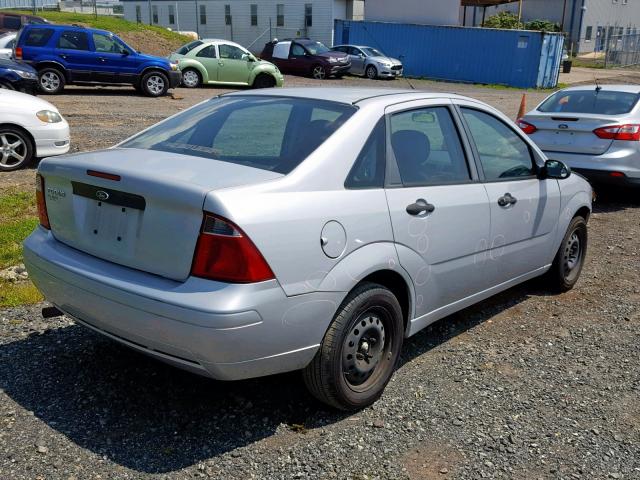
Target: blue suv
[[65, 54]]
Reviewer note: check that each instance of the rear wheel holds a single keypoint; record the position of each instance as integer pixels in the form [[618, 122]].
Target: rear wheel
[[360, 350], [318, 72], [191, 78], [264, 81], [154, 84], [371, 72], [51, 81], [16, 149], [567, 265]]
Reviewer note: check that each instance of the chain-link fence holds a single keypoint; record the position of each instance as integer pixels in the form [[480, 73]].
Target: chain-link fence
[[622, 50]]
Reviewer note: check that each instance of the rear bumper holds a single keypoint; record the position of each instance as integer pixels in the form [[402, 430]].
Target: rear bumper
[[175, 78], [603, 177], [599, 168], [51, 139], [219, 330]]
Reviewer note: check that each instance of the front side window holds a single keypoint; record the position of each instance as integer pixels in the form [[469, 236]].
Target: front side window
[[38, 37], [503, 153], [207, 52], [272, 133], [369, 168], [316, 48], [280, 15], [231, 52], [73, 40], [592, 101], [427, 147], [106, 44], [297, 50]]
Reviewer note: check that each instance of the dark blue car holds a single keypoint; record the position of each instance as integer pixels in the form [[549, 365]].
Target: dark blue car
[[64, 54], [18, 76]]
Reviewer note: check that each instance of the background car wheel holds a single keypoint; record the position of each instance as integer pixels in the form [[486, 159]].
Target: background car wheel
[[264, 81], [360, 350], [16, 149], [51, 81], [191, 78], [154, 84], [567, 265], [318, 72], [371, 72]]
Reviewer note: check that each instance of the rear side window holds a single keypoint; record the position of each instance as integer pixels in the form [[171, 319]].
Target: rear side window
[[73, 40], [503, 154], [37, 37], [427, 147], [271, 133], [207, 52], [12, 23], [188, 47], [368, 170], [603, 102]]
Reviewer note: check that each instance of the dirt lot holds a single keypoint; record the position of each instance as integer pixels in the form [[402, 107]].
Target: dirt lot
[[524, 386]]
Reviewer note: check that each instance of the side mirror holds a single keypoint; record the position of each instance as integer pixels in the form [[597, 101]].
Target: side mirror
[[125, 52], [555, 169]]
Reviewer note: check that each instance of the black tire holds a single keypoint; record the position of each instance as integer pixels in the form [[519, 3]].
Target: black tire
[[371, 72], [264, 80], [51, 81], [319, 72], [22, 147], [569, 260], [154, 84], [369, 316], [188, 74]]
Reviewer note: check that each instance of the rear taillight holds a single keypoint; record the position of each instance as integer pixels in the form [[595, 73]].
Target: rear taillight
[[526, 127], [18, 53], [42, 206], [619, 132], [225, 253]]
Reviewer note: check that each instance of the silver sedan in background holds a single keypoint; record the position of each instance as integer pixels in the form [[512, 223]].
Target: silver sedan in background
[[370, 62], [308, 228], [593, 129]]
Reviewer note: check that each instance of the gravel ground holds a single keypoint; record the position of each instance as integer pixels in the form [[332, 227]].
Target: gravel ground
[[523, 386]]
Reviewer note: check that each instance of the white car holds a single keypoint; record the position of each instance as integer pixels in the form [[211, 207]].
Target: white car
[[7, 41], [30, 128]]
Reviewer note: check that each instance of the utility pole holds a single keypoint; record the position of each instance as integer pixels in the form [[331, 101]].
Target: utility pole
[[150, 17], [35, 8], [95, 8], [519, 14], [564, 12]]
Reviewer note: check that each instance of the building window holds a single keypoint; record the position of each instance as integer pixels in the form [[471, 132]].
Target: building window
[[138, 14], [280, 15], [254, 15], [308, 15], [227, 14], [172, 15], [203, 14], [588, 34], [154, 11]]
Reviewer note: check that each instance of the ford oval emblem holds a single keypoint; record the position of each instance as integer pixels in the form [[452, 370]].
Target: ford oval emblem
[[563, 126], [102, 195]]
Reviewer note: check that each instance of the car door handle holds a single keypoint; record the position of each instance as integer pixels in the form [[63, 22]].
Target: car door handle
[[221, 63], [421, 206], [102, 59], [506, 200], [63, 56]]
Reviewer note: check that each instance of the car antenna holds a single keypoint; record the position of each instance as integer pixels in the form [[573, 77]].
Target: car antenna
[[598, 87]]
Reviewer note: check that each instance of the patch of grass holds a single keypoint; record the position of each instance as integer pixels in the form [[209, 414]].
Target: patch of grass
[[17, 220], [112, 24], [15, 294]]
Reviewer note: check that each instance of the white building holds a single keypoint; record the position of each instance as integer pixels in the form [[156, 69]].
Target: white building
[[251, 23], [427, 12]]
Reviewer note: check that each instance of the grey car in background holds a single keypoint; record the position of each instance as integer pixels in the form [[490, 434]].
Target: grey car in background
[[370, 62], [593, 129], [263, 232]]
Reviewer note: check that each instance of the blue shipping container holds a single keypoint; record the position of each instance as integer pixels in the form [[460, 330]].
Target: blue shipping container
[[517, 58]]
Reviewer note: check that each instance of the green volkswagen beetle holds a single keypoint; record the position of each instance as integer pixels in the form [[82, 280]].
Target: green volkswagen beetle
[[213, 62]]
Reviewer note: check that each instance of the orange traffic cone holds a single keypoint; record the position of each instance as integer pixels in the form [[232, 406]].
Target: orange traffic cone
[[523, 106]]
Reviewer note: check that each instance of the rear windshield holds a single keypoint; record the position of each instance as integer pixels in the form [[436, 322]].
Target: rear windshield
[[37, 37], [188, 47], [601, 102], [271, 133]]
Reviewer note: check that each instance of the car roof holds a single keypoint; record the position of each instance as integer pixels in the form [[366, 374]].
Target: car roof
[[67, 27], [346, 95], [221, 40], [610, 88]]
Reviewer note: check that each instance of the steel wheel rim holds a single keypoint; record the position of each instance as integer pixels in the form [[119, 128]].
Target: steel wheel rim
[[318, 73], [155, 84], [572, 252], [365, 348], [190, 78], [13, 150], [50, 81], [371, 72]]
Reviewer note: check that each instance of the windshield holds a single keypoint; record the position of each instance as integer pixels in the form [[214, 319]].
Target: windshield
[[271, 133], [316, 48], [372, 52], [601, 102]]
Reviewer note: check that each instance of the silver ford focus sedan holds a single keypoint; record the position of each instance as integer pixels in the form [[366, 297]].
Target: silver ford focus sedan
[[595, 129], [314, 229]]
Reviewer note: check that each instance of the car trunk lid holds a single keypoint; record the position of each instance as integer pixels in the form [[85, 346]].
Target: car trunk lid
[[137, 208]]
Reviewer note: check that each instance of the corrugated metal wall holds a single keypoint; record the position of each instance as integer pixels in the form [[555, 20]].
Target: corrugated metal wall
[[515, 58]]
